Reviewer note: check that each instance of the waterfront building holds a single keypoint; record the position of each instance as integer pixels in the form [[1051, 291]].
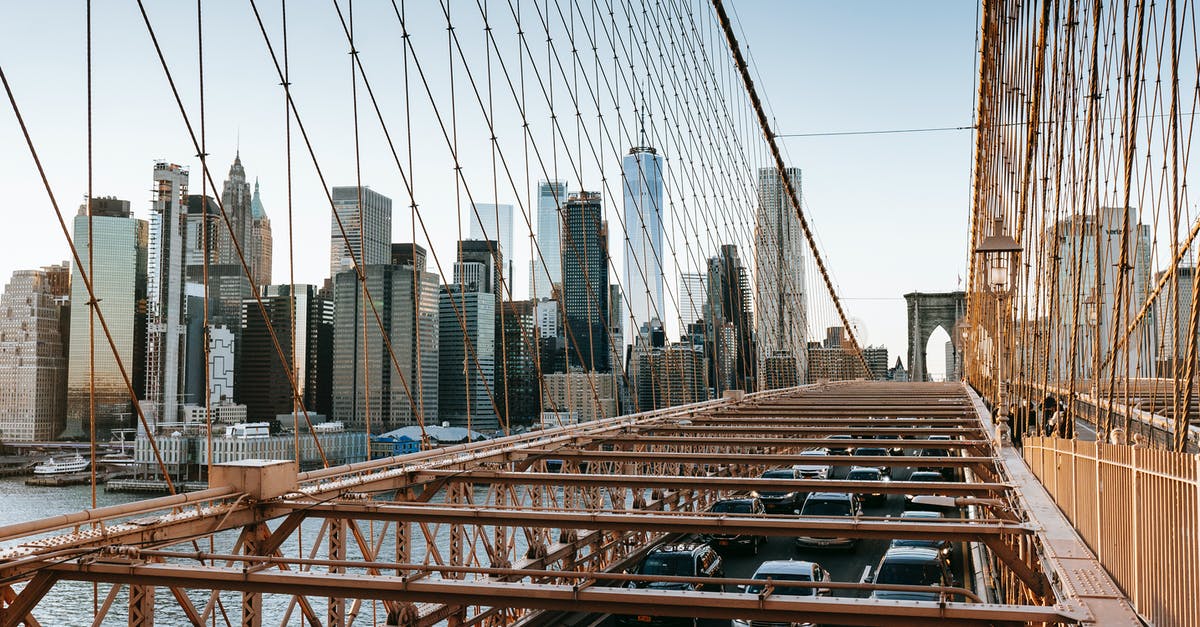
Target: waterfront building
[[264, 383], [730, 323], [34, 322], [118, 277], [466, 366], [368, 388], [165, 295], [577, 396]]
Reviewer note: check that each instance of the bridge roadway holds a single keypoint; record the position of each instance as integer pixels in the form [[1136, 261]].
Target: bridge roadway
[[487, 534]]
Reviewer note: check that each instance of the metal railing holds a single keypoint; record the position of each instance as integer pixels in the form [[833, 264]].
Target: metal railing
[[1138, 509]]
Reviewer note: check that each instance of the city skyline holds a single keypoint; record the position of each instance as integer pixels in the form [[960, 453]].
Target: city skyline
[[837, 205]]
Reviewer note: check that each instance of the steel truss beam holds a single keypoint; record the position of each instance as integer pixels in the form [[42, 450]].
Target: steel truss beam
[[727, 484], [757, 459], [669, 522], [561, 597]]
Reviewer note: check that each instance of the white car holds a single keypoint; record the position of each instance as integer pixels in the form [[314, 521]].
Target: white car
[[814, 470]]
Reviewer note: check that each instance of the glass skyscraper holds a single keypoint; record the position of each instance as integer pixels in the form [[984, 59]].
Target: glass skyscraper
[[547, 270], [779, 291], [165, 296], [585, 282], [119, 280], [494, 222], [641, 176], [370, 241]]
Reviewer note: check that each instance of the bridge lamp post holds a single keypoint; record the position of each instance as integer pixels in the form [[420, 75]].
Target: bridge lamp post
[[1000, 252], [1091, 315]]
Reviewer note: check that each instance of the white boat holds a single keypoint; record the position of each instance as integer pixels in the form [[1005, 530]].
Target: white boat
[[116, 459], [66, 467]]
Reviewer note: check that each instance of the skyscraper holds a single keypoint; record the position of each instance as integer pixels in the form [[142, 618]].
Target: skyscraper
[[693, 294], [729, 323], [370, 240], [34, 310], [547, 270], [235, 199], [261, 244], [165, 296], [495, 222], [641, 180], [1077, 249], [516, 362], [263, 380], [780, 291], [478, 267], [585, 282], [466, 351], [119, 280], [366, 384]]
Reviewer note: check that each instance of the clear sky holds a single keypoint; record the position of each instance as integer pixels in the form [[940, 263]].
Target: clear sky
[[890, 210]]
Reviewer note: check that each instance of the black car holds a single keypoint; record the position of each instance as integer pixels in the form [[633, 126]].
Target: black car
[[829, 505], [745, 507], [785, 501], [945, 471], [675, 560], [909, 566], [943, 547], [839, 450], [875, 451], [868, 473]]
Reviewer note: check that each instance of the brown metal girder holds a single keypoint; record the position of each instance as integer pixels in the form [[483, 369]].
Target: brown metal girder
[[1034, 580], [751, 427], [758, 459], [281, 533], [20, 606], [668, 522], [946, 488], [642, 439], [564, 597]]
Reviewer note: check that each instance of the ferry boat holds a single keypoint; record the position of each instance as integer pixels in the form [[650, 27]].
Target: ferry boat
[[117, 459], [55, 467]]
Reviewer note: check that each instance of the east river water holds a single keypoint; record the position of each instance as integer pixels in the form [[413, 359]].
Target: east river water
[[72, 603]]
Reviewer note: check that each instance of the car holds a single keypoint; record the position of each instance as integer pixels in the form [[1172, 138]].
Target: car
[[875, 451], [829, 505], [781, 571], [923, 476], [778, 501], [839, 450], [813, 470], [946, 471], [751, 506], [675, 560], [943, 547], [910, 566], [868, 473], [896, 449]]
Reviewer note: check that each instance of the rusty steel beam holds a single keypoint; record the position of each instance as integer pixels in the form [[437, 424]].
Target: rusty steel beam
[[746, 484], [665, 440], [756, 459], [752, 427], [557, 597], [667, 522]]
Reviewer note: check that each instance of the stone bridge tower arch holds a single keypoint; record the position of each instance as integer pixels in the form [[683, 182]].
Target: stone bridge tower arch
[[926, 312]]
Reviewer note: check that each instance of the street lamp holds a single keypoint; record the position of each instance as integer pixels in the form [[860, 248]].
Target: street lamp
[[999, 252]]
